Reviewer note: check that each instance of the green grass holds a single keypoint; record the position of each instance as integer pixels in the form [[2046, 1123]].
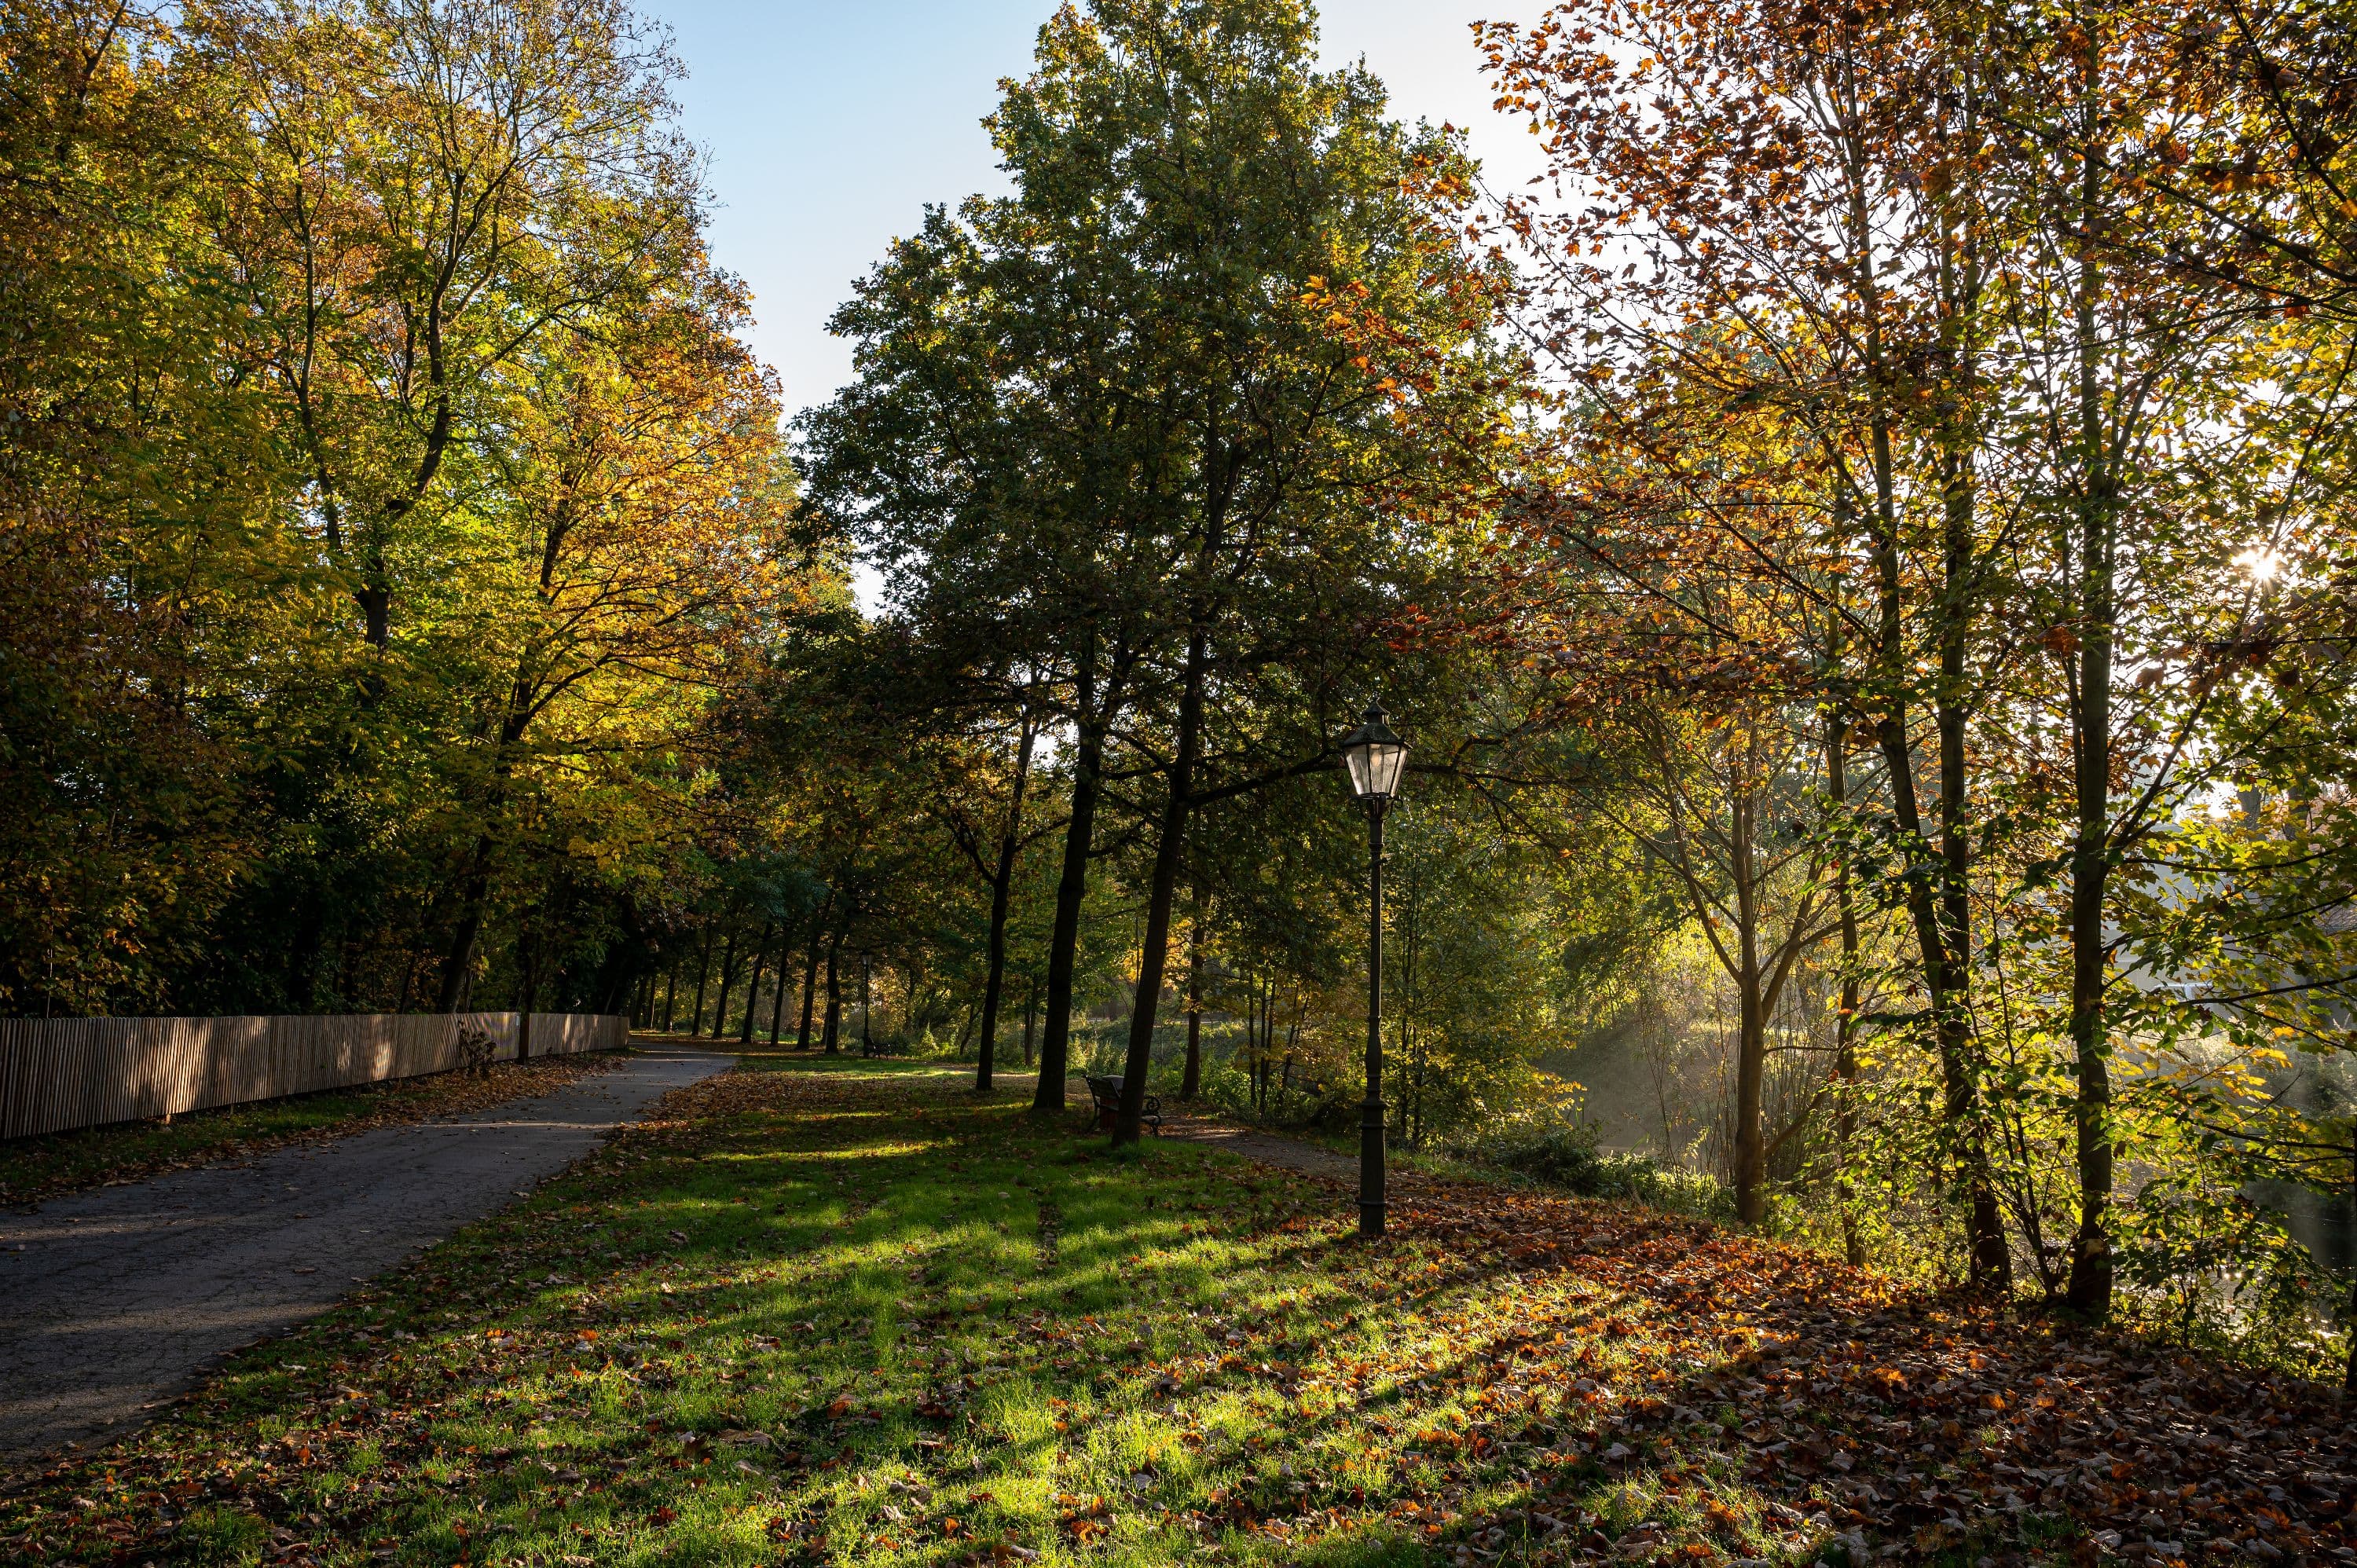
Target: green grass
[[844, 1312], [848, 1313], [33, 1169]]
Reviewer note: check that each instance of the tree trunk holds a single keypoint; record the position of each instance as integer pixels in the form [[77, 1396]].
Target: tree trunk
[[459, 964], [810, 985], [1844, 1026], [1030, 1011], [753, 987], [671, 994], [995, 977], [1264, 1043], [2348, 1376], [1191, 1083], [1945, 978], [527, 960], [1064, 943], [727, 983], [1402, 964], [1154, 951], [831, 1041], [2090, 1288], [457, 969], [1750, 1024], [1943, 951], [778, 991], [703, 969], [1002, 888]]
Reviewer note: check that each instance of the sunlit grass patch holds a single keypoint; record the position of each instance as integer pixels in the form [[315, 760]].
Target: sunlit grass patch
[[783, 1327]]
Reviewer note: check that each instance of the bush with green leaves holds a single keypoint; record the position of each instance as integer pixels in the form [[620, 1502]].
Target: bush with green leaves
[[1561, 1151]]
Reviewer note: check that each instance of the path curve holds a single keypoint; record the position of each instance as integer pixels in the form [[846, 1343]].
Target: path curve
[[114, 1300], [1262, 1148]]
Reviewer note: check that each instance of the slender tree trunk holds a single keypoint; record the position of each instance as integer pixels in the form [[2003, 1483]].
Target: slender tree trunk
[[457, 970], [2348, 1376], [778, 991], [996, 978], [528, 962], [1191, 1083], [1422, 1068], [1961, 281], [753, 988], [1751, 1075], [1750, 1025], [1071, 888], [458, 967], [1401, 963], [727, 983], [1002, 887], [671, 994], [810, 985], [832, 1041], [703, 969], [1030, 1011], [2090, 1287], [1154, 953], [1945, 974], [1263, 1042], [1267, 1041], [1844, 1025]]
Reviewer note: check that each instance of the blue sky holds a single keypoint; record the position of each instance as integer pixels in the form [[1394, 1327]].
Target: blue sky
[[829, 126]]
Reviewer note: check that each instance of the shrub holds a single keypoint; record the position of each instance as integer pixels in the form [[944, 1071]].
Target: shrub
[[1566, 1155], [1561, 1151]]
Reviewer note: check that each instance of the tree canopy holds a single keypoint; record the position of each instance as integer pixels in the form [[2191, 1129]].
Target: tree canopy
[[1859, 549]]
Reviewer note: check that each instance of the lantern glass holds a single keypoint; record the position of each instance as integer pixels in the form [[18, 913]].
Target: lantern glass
[[1375, 769], [1375, 757]]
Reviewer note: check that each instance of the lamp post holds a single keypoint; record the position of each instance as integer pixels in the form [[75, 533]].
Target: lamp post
[[1375, 757]]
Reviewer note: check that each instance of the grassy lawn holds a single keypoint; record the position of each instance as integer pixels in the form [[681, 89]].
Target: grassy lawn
[[845, 1313], [33, 1169]]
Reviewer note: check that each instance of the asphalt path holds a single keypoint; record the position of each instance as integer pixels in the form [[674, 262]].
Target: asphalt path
[[112, 1301], [1261, 1148]]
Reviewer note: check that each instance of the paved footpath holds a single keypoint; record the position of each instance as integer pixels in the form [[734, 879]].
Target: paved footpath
[[114, 1300], [1262, 1148]]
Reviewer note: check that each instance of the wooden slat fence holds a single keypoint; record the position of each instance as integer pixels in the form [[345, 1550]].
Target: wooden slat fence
[[62, 1073]]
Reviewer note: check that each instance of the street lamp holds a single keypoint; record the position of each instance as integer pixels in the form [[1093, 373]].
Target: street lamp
[[1375, 757]]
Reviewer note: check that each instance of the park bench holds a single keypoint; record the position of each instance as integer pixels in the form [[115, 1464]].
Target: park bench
[[1106, 1093]]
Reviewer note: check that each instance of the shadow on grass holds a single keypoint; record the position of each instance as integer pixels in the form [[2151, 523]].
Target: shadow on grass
[[841, 1310]]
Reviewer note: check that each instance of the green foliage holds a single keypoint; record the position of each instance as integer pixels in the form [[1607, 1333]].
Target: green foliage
[[1563, 1154], [388, 495], [1558, 1146]]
